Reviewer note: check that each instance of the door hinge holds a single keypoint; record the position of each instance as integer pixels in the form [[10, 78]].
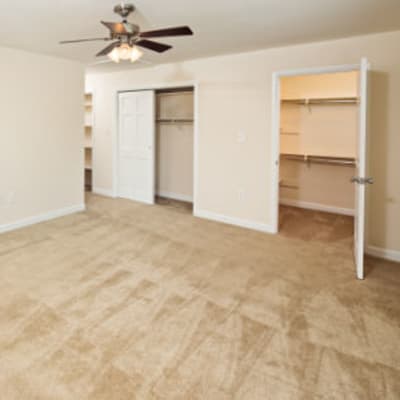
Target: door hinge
[[362, 181]]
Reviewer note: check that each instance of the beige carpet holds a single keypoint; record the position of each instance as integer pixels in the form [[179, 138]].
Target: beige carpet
[[127, 301]]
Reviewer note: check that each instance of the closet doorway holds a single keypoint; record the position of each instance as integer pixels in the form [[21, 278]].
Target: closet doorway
[[319, 130], [155, 147], [174, 148]]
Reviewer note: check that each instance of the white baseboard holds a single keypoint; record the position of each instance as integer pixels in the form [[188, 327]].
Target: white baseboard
[[317, 207], [41, 218], [391, 255], [244, 223], [175, 196], [103, 192]]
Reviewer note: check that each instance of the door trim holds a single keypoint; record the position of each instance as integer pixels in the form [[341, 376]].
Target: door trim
[[115, 132], [359, 246]]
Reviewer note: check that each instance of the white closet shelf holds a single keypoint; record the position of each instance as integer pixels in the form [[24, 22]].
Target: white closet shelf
[[179, 92], [290, 133], [287, 185], [326, 100], [175, 121], [344, 161]]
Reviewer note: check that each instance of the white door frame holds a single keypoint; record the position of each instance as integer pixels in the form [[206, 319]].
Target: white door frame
[[276, 110], [161, 86]]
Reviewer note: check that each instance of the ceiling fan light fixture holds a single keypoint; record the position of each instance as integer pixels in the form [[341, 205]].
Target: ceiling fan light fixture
[[125, 52]]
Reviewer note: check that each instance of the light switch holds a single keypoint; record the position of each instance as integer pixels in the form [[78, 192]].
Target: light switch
[[241, 137], [240, 193]]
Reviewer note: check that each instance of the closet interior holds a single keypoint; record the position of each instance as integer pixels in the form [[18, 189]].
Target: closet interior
[[174, 147], [88, 141], [318, 141]]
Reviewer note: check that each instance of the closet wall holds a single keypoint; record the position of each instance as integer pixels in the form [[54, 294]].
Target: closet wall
[[175, 135], [325, 129]]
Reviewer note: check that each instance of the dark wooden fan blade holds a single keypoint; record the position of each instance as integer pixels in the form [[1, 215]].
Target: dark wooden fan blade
[[84, 40], [116, 27], [155, 46], [177, 31], [108, 49]]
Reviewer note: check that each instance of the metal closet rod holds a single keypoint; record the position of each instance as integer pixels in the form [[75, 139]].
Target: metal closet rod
[[320, 159]]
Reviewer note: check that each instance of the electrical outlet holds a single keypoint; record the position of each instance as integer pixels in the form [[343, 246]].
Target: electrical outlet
[[7, 198]]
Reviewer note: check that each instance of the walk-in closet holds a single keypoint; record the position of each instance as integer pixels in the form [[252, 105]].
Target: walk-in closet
[[318, 143], [174, 147]]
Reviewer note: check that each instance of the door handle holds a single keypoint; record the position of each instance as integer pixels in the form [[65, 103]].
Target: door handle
[[362, 181]]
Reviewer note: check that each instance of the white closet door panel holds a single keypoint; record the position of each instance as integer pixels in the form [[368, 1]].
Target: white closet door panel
[[136, 146]]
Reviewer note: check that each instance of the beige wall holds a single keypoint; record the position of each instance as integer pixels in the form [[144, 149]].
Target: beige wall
[[235, 102], [174, 145], [41, 135], [321, 130], [328, 130]]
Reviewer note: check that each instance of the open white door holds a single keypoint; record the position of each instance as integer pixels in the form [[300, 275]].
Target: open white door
[[360, 179], [136, 156]]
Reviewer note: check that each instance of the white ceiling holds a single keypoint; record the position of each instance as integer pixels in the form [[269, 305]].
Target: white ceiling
[[220, 26]]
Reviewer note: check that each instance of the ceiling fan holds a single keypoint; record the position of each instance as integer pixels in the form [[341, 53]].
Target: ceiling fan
[[128, 37]]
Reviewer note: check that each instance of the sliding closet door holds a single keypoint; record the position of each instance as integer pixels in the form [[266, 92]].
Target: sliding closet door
[[136, 137], [361, 180]]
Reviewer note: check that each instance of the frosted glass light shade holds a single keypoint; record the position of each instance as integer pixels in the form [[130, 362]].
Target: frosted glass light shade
[[125, 52], [135, 54], [114, 55]]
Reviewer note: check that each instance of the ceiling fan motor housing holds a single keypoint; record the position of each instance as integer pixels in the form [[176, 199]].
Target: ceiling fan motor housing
[[124, 9]]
